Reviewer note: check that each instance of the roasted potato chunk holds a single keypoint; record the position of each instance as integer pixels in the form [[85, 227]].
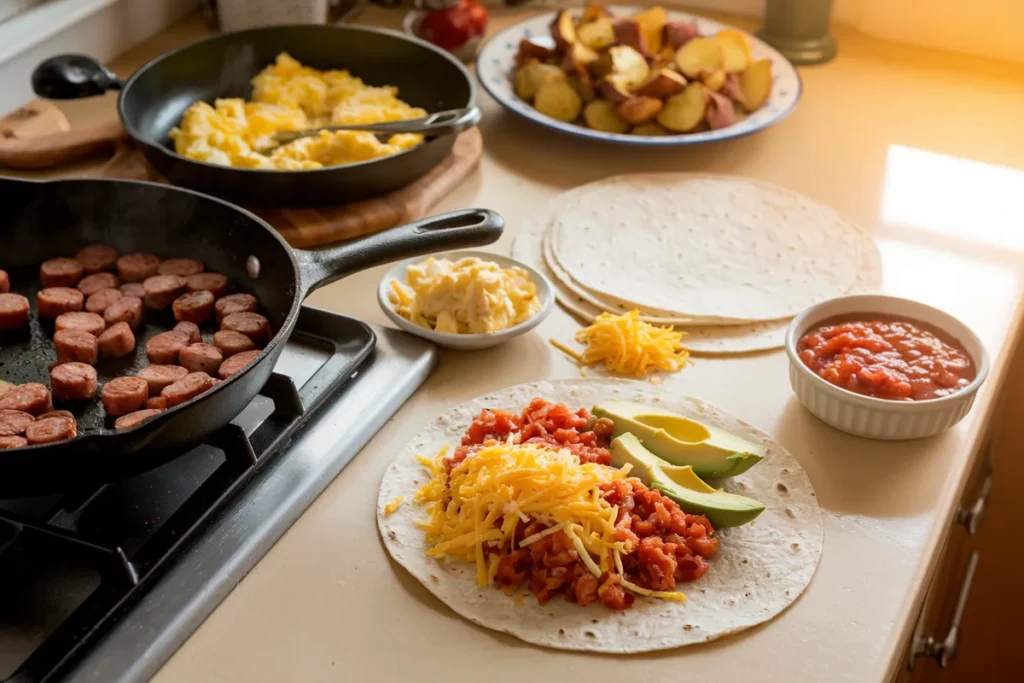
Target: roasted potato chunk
[[584, 88], [563, 30], [720, 112], [558, 99], [731, 89], [628, 67], [613, 92], [756, 84], [576, 61], [601, 115], [529, 50], [685, 111], [699, 55], [629, 33], [530, 77], [637, 110], [714, 80], [652, 22], [734, 53], [649, 128], [662, 83], [597, 34], [593, 13], [678, 33]]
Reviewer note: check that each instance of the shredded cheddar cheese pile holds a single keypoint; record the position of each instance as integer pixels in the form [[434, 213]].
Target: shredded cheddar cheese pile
[[629, 346], [481, 501]]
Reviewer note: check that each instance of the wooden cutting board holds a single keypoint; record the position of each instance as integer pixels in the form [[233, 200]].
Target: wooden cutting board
[[37, 136]]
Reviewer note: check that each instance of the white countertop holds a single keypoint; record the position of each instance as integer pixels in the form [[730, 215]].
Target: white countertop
[[918, 147]]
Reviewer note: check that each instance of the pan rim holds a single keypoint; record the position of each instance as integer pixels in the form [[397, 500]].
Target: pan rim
[[133, 132], [283, 332]]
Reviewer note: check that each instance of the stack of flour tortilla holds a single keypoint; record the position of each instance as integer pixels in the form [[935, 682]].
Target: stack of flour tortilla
[[726, 259]]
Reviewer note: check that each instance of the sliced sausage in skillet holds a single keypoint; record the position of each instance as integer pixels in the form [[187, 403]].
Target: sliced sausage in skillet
[[117, 341], [132, 289], [163, 349], [14, 310], [252, 325], [123, 395], [162, 290], [191, 329], [100, 301], [32, 398], [12, 442], [73, 382], [187, 388], [127, 309], [14, 422], [180, 266], [87, 322], [193, 307], [53, 301], [159, 377], [76, 346], [231, 342], [201, 358], [91, 284], [58, 413], [234, 303], [137, 267], [156, 403], [131, 419], [215, 283], [5, 282], [60, 272], [96, 257], [236, 363], [51, 430]]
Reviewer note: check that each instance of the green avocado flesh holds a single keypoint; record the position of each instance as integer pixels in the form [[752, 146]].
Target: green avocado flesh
[[678, 440], [682, 485]]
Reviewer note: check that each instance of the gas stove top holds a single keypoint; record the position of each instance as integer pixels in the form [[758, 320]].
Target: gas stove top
[[105, 583]]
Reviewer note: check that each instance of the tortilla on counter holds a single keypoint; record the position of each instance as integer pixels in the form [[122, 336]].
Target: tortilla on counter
[[759, 570]]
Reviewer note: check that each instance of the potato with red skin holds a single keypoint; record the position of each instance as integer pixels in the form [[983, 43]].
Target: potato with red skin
[[699, 55], [601, 115], [685, 111], [638, 110], [720, 112], [678, 33], [629, 32], [529, 50], [563, 30], [662, 84], [597, 34], [612, 91], [652, 23], [577, 60]]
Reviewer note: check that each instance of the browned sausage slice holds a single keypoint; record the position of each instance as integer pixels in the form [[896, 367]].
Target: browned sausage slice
[[191, 329], [100, 301], [194, 307], [163, 349], [231, 342], [14, 422], [53, 301], [215, 283], [91, 284], [127, 309], [157, 403], [12, 442], [236, 363], [131, 419], [5, 282], [252, 325], [187, 388], [162, 290], [180, 266], [73, 382], [123, 395], [60, 272], [96, 257], [235, 303], [201, 358], [51, 430], [159, 377], [32, 398], [59, 413], [132, 289], [87, 322], [137, 267], [14, 310], [76, 346], [117, 341]]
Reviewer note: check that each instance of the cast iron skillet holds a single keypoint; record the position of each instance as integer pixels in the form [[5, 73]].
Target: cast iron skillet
[[42, 220], [153, 100]]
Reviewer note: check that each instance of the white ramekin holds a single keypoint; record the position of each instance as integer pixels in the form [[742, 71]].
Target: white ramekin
[[877, 418]]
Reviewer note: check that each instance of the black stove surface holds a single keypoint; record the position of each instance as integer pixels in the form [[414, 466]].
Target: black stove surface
[[72, 564]]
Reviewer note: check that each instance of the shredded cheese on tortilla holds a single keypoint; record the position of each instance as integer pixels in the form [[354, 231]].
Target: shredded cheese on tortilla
[[393, 505], [627, 345]]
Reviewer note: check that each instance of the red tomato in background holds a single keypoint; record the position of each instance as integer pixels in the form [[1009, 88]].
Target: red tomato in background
[[452, 27]]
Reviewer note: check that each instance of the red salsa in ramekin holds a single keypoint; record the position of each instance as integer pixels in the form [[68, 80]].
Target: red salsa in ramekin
[[886, 357]]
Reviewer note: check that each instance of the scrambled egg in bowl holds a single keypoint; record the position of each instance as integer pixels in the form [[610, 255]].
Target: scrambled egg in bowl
[[468, 296], [288, 96]]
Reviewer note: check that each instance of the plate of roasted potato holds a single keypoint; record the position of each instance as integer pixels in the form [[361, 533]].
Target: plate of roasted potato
[[641, 76]]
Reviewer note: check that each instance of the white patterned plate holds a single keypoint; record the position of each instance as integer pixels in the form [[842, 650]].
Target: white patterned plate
[[496, 64]]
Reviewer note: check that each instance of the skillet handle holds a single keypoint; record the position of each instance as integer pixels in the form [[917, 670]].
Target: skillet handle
[[71, 77], [455, 230]]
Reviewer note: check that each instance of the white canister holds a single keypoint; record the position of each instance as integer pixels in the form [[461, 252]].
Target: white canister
[[236, 15]]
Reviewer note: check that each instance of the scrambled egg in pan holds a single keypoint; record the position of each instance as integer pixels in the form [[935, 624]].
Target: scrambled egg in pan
[[468, 296], [288, 96]]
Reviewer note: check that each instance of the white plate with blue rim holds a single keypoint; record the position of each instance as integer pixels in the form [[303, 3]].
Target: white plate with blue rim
[[495, 67]]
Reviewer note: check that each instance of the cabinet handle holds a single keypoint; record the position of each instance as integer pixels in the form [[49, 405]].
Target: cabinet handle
[[972, 517], [944, 651]]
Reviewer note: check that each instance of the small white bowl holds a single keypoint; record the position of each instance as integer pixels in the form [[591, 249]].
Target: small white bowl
[[467, 342], [878, 418]]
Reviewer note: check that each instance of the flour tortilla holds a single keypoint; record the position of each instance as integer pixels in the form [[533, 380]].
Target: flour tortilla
[[758, 571], [706, 245]]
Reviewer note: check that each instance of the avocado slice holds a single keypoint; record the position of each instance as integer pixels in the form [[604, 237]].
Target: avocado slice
[[682, 485], [678, 440]]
